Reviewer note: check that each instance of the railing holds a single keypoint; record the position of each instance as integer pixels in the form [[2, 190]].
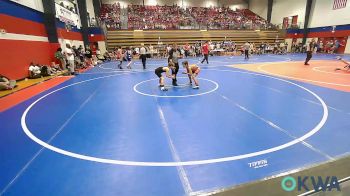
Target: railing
[[299, 25], [204, 26]]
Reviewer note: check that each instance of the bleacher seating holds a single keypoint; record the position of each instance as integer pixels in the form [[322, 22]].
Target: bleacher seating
[[130, 38], [156, 17], [174, 17], [218, 18], [110, 15], [161, 26]]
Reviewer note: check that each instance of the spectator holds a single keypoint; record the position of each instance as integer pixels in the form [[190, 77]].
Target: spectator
[[88, 56], [6, 83], [60, 58], [34, 71], [70, 58], [187, 49]]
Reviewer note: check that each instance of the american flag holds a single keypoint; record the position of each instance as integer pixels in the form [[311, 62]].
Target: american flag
[[338, 4]]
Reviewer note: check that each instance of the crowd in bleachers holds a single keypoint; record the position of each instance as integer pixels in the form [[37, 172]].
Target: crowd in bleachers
[[175, 17], [218, 18], [110, 15], [156, 17]]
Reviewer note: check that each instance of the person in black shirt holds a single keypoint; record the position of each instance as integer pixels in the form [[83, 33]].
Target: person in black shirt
[[161, 70], [88, 55], [310, 46], [174, 55]]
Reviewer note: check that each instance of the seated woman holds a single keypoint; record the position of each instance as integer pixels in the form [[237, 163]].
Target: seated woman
[[192, 71], [159, 72], [6, 84]]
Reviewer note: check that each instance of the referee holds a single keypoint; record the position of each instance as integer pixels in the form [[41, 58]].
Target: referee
[[174, 55], [310, 46], [143, 56]]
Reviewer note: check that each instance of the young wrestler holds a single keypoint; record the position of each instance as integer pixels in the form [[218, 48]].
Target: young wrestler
[[192, 71], [347, 64], [119, 57], [159, 72]]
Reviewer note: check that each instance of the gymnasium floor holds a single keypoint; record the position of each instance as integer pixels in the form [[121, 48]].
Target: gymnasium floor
[[112, 132]]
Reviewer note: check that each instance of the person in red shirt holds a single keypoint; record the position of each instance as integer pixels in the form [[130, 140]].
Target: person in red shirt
[[205, 51]]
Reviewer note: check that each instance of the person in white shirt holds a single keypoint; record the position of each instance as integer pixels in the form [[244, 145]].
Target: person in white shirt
[[70, 58], [143, 56], [151, 50], [137, 50], [35, 69], [246, 48], [211, 46]]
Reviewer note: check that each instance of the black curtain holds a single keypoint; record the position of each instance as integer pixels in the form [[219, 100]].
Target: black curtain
[[84, 21], [306, 21], [50, 20]]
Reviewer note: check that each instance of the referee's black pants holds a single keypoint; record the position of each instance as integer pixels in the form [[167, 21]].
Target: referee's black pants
[[246, 53], [308, 57], [143, 59], [174, 72]]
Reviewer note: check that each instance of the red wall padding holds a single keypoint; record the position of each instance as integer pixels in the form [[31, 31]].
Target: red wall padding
[[62, 33], [341, 33], [16, 55], [21, 26], [96, 38]]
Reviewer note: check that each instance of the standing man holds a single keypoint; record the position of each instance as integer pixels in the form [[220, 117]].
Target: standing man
[[205, 51], [309, 50], [337, 45], [70, 58], [246, 48], [88, 55], [143, 56], [187, 48], [60, 57], [174, 55]]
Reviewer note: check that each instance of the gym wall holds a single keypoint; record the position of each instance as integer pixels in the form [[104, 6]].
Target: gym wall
[[259, 7], [26, 38]]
